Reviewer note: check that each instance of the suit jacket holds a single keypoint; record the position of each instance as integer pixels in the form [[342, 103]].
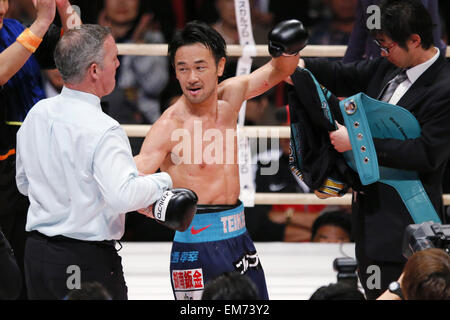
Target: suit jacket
[[380, 217]]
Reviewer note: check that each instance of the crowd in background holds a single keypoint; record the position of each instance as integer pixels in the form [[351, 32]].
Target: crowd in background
[[146, 86]]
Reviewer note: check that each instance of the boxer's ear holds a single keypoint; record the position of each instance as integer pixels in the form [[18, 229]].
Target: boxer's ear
[[221, 66]]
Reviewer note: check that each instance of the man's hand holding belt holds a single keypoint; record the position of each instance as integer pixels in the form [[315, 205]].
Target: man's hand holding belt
[[340, 139]]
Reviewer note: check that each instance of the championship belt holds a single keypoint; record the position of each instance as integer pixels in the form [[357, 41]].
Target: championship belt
[[366, 118], [312, 157]]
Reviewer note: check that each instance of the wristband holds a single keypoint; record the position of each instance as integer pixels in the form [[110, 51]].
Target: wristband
[[29, 40]]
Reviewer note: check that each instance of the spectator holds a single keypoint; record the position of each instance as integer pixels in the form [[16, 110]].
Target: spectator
[[21, 10], [284, 10], [53, 82], [361, 43], [230, 286], [337, 291], [89, 291], [426, 276], [335, 30], [226, 24], [140, 79], [332, 226], [227, 27]]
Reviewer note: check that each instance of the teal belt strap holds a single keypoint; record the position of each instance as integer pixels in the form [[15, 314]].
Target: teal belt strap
[[366, 118]]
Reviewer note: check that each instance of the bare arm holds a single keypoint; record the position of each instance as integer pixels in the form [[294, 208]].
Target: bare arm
[[155, 148], [301, 64], [259, 81], [14, 57], [69, 17]]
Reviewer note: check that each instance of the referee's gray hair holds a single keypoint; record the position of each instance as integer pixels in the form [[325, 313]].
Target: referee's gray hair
[[78, 49]]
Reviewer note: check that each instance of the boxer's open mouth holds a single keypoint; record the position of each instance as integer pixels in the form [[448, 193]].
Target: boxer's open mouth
[[194, 91]]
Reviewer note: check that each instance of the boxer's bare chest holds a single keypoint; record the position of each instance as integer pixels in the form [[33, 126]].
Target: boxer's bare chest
[[204, 156]]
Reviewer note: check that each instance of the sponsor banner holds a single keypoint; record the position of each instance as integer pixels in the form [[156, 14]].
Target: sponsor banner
[[188, 280], [184, 256]]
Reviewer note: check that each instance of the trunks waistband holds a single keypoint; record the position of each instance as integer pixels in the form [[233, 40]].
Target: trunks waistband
[[214, 226], [211, 208]]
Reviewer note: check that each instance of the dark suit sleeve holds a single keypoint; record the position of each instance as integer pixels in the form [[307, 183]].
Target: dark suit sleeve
[[341, 79], [427, 152]]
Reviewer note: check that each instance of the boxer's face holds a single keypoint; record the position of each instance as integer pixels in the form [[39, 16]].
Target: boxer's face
[[197, 71], [4, 6]]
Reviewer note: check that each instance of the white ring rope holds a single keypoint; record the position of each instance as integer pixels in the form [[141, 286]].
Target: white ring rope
[[270, 198], [255, 131], [140, 130], [235, 50]]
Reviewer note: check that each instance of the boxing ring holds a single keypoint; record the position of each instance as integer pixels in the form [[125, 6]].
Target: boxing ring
[[293, 270]]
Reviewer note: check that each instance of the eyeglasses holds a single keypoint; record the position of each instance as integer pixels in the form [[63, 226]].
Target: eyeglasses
[[385, 50]]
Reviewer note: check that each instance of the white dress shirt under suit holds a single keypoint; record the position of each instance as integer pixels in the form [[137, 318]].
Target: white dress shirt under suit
[[412, 75], [75, 164]]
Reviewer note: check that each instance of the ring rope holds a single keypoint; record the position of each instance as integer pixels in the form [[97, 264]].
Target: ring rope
[[256, 131], [310, 199], [234, 50], [140, 130]]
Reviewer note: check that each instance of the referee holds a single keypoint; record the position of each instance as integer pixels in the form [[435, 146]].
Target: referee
[[75, 165]]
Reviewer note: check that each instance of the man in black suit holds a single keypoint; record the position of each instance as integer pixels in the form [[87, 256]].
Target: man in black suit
[[361, 45], [413, 75]]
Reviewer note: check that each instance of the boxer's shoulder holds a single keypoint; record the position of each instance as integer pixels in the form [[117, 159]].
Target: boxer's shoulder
[[172, 118]]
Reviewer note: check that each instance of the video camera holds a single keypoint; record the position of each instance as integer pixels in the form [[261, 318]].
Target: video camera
[[426, 235], [346, 269]]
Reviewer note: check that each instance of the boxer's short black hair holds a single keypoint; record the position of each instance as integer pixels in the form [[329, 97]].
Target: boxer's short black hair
[[198, 32], [402, 18]]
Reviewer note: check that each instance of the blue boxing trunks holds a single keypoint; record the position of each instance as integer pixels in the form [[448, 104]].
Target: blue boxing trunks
[[217, 241]]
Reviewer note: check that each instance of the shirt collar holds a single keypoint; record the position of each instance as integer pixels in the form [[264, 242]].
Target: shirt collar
[[415, 72], [81, 95]]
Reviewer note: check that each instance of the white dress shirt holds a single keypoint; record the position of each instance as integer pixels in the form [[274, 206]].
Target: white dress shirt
[[75, 164], [412, 75]]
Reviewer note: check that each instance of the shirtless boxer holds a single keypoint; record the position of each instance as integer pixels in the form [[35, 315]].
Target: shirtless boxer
[[195, 142]]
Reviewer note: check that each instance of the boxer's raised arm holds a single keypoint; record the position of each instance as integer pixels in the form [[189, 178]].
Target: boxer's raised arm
[[69, 17], [285, 41]]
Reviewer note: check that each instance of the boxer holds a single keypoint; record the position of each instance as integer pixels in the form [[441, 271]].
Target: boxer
[[217, 240]]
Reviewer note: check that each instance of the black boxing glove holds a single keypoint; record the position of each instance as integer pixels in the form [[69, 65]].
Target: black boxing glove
[[176, 208], [287, 37]]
